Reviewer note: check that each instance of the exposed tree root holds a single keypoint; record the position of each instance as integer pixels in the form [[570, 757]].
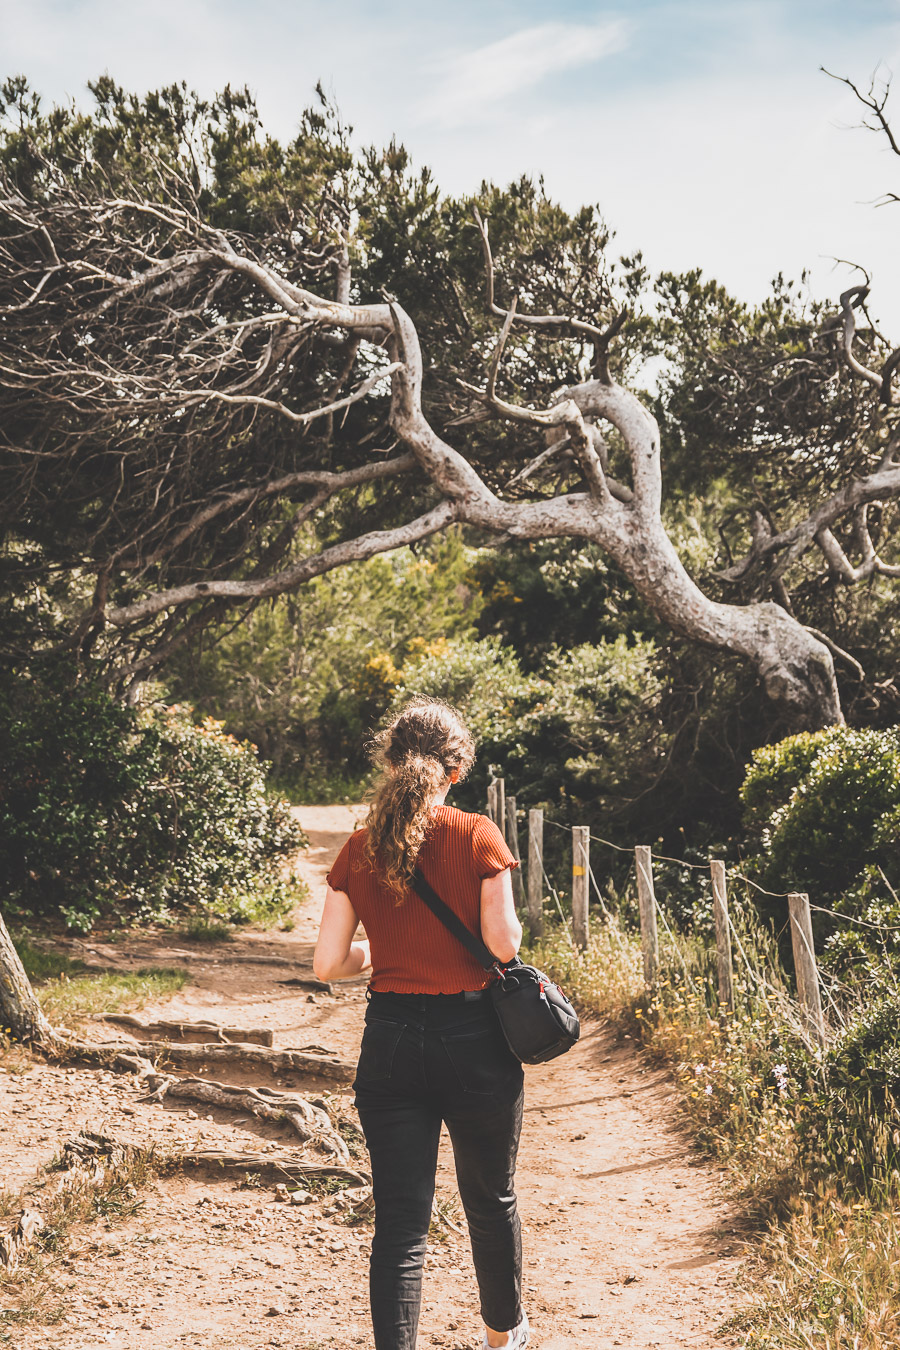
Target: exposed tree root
[[89, 1163], [88, 1157], [278, 1061], [215, 953], [280, 1165], [124, 1056], [191, 1031], [141, 1056], [311, 1122]]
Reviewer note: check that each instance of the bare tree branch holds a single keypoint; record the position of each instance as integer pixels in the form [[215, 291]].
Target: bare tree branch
[[353, 550], [875, 103], [327, 484], [567, 325], [563, 414], [299, 419], [842, 567], [792, 543], [851, 299]]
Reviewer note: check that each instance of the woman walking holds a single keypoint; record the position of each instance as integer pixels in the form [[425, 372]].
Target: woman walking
[[432, 1049]]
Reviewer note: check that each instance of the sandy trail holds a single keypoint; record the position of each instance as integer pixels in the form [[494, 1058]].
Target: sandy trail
[[628, 1239]]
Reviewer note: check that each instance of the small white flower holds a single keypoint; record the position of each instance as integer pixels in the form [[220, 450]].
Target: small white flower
[[708, 1089], [699, 1068]]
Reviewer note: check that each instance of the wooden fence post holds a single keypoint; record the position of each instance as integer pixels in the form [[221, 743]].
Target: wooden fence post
[[492, 800], [647, 902], [805, 965], [500, 818], [723, 936], [535, 871], [580, 863], [512, 831]]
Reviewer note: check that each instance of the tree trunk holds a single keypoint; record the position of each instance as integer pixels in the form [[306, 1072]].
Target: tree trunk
[[795, 668], [20, 1012]]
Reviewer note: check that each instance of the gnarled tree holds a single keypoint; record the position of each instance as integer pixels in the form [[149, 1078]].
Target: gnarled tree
[[185, 382]]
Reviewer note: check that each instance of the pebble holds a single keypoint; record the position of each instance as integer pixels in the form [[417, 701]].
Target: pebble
[[276, 1310]]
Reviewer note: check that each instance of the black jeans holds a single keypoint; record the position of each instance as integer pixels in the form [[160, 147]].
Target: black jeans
[[427, 1058]]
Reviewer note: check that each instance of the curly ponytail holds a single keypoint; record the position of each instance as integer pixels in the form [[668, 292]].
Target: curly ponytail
[[426, 742]]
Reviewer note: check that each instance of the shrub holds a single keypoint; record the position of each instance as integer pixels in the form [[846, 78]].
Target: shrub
[[824, 805], [582, 731], [107, 811], [481, 678], [850, 1122]]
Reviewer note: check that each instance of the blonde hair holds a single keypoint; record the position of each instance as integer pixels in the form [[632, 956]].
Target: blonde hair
[[425, 743]]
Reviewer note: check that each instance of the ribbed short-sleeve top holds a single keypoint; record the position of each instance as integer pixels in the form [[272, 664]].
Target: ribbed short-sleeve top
[[412, 951]]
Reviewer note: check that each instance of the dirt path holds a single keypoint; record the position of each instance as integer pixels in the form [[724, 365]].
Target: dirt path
[[628, 1241]]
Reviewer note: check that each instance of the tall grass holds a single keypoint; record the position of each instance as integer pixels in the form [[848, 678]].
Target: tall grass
[[605, 978], [763, 1100], [32, 1291], [832, 1276]]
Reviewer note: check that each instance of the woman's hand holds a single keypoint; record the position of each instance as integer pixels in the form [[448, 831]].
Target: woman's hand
[[337, 956], [500, 929]]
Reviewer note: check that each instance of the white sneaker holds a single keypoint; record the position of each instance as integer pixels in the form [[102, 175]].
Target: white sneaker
[[518, 1337]]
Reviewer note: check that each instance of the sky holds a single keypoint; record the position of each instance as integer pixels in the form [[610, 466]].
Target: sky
[[705, 131]]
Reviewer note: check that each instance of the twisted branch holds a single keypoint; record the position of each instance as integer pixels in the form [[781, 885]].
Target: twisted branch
[[563, 323]]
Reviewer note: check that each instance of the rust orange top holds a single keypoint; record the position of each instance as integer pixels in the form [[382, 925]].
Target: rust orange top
[[412, 951]]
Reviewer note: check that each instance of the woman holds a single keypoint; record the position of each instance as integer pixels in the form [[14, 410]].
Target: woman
[[432, 1049]]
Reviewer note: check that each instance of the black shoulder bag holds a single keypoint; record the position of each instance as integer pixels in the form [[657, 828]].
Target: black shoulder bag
[[535, 1016]]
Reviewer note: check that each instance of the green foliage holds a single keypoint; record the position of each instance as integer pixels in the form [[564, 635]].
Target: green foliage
[[850, 1119], [584, 732], [479, 677], [41, 965], [246, 179], [596, 717], [823, 806], [308, 677], [538, 595], [776, 772], [744, 385], [106, 811], [98, 992], [865, 956], [67, 988], [755, 412]]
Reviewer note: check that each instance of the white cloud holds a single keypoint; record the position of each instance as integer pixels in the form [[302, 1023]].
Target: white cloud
[[472, 81]]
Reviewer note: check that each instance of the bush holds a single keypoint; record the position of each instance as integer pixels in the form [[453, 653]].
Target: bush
[[583, 731], [480, 677], [850, 1123], [823, 806], [105, 811]]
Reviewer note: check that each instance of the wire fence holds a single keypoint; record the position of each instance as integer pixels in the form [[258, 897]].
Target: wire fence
[[734, 874], [812, 982]]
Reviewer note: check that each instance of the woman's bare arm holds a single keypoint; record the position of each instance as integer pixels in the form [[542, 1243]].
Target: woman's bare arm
[[500, 928], [337, 955]]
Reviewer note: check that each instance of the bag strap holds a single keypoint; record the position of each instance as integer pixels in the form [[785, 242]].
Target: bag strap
[[473, 945]]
